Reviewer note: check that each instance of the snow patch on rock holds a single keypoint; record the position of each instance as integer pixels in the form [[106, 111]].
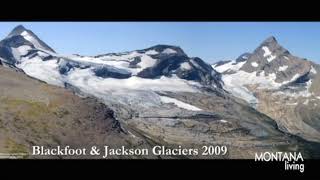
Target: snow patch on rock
[[121, 61], [268, 54], [87, 80], [237, 83], [313, 70], [283, 68], [232, 65], [254, 64], [180, 104], [266, 50], [303, 93], [151, 52], [169, 51], [20, 51], [46, 71], [27, 36], [185, 65]]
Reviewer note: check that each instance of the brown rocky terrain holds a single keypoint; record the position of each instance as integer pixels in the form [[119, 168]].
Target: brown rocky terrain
[[229, 122], [35, 113]]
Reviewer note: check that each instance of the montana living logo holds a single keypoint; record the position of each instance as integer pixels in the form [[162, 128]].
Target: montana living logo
[[293, 160]]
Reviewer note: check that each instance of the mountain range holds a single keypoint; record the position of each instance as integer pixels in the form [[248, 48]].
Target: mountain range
[[266, 100]]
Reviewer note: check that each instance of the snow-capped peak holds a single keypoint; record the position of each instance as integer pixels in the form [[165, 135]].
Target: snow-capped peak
[[17, 31], [270, 49], [30, 37], [164, 49]]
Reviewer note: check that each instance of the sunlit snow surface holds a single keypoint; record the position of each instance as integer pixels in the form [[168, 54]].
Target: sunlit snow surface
[[268, 54], [238, 81], [120, 61], [232, 65], [135, 92], [254, 64], [20, 51], [169, 51], [304, 93], [46, 71], [31, 39], [185, 65], [313, 70], [283, 68], [85, 78]]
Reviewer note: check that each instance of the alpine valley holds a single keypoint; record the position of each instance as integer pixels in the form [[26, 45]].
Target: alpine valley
[[264, 101]]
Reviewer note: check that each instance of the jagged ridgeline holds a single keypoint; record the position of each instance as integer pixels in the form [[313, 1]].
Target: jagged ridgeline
[[141, 98]]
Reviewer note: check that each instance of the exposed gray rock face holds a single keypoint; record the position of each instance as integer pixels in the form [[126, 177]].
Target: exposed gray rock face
[[180, 64], [220, 63], [22, 31], [243, 57], [272, 58], [103, 71], [107, 71], [24, 39]]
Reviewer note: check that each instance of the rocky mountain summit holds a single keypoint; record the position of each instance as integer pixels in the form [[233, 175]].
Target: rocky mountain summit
[[280, 85]]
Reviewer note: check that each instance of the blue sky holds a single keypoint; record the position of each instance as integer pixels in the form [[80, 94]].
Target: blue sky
[[210, 41]]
